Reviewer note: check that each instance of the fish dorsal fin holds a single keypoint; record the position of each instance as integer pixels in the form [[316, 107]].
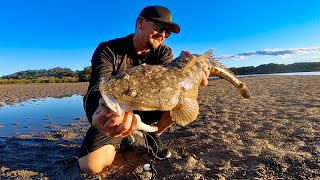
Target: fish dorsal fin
[[214, 61], [209, 54], [217, 64]]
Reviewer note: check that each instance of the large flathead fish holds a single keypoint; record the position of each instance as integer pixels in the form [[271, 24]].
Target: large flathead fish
[[172, 87]]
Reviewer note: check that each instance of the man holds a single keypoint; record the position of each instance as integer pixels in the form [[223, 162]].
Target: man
[[153, 25]]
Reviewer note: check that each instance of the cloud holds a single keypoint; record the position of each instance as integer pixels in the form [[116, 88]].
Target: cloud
[[272, 52]]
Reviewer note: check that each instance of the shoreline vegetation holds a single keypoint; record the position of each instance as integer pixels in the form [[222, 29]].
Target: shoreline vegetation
[[275, 134], [66, 75]]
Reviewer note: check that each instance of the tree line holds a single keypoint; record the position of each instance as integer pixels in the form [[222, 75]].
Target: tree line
[[277, 68], [66, 75], [55, 75]]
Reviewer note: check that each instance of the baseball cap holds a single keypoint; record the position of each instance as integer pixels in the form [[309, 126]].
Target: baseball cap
[[160, 14]]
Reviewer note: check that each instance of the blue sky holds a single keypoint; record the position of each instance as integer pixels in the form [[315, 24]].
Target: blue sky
[[39, 34]]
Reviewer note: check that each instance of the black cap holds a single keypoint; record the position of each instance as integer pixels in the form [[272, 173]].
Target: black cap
[[160, 14]]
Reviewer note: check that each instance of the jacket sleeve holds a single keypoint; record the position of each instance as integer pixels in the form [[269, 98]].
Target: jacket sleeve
[[167, 55], [102, 63], [102, 66]]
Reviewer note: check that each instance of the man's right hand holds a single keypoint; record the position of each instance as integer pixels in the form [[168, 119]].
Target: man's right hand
[[114, 125]]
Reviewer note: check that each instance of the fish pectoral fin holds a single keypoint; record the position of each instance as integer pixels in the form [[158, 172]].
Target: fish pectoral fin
[[185, 112]]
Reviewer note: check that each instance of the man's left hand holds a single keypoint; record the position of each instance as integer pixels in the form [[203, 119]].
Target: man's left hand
[[205, 75], [205, 71]]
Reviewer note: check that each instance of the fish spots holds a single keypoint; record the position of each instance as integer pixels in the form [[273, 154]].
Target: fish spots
[[131, 92], [126, 76], [186, 85]]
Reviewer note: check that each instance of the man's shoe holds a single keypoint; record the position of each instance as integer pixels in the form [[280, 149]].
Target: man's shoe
[[156, 148]]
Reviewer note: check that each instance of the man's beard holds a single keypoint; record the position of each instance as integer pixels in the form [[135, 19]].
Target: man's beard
[[153, 45], [150, 46]]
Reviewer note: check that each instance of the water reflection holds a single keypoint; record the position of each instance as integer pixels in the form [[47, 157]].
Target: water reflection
[[40, 115]]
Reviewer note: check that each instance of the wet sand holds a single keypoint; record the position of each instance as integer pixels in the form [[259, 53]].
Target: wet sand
[[15, 93], [275, 134]]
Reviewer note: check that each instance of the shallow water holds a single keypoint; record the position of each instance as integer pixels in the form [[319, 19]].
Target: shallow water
[[38, 115]]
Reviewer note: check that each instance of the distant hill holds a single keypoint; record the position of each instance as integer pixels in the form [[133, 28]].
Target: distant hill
[[277, 68], [55, 75], [61, 75], [43, 73]]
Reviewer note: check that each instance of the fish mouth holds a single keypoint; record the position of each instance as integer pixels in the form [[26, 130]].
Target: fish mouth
[[109, 101]]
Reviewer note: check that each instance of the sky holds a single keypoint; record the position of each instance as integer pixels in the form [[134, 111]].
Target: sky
[[39, 34]]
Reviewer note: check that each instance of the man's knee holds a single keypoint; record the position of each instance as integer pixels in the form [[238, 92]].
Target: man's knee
[[87, 167], [95, 161]]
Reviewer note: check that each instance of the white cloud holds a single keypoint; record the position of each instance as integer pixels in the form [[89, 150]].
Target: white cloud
[[272, 52]]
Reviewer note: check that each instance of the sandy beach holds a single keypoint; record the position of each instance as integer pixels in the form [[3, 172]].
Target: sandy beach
[[275, 134]]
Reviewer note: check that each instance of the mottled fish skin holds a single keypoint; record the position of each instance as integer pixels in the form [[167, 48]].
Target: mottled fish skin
[[172, 87]]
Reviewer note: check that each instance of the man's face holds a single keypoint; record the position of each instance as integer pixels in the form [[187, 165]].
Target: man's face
[[154, 33]]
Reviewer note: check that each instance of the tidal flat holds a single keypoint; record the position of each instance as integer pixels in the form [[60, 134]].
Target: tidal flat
[[274, 134]]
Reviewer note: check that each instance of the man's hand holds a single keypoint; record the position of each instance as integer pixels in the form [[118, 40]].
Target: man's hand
[[205, 75], [205, 71], [113, 125]]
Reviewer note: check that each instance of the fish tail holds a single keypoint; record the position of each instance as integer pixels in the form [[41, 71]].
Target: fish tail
[[229, 76], [219, 70]]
